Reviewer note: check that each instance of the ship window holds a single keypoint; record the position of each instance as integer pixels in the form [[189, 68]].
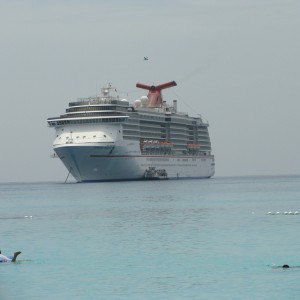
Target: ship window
[[77, 137], [104, 135]]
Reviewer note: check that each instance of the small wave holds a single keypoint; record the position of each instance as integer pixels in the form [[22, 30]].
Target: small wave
[[16, 217]]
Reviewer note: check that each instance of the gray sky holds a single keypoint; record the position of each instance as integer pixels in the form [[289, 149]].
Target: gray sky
[[236, 62]]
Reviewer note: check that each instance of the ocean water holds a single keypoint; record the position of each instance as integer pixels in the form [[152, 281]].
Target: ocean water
[[185, 239]]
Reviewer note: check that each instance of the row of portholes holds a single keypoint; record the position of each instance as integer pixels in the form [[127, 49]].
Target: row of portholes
[[77, 137]]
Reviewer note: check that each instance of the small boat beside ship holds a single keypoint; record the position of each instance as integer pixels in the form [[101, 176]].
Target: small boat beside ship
[[152, 174]]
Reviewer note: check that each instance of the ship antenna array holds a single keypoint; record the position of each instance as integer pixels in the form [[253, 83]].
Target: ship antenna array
[[186, 104]]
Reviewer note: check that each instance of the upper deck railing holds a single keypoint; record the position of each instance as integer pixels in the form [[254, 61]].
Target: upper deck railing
[[99, 100]]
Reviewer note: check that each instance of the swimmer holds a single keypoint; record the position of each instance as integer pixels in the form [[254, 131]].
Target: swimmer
[[4, 258], [285, 267]]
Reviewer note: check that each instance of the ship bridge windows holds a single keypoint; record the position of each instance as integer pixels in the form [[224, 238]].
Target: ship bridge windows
[[86, 121], [90, 108], [83, 114], [99, 101]]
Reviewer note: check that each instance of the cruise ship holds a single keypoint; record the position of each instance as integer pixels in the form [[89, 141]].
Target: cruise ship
[[106, 138]]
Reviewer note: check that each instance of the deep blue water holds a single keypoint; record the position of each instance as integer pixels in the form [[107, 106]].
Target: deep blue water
[[185, 239]]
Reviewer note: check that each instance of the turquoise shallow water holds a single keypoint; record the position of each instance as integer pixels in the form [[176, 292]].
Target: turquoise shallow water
[[189, 239]]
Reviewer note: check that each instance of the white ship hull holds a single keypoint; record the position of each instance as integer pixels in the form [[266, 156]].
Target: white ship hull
[[108, 162]]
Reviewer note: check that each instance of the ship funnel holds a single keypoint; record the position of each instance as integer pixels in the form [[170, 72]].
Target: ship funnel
[[154, 94]]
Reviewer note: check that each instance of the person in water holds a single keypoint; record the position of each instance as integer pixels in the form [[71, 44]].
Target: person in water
[[285, 267], [4, 258]]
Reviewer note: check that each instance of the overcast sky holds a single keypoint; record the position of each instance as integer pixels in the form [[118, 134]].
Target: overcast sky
[[236, 62]]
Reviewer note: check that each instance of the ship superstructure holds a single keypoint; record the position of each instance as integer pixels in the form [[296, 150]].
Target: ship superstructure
[[106, 138]]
